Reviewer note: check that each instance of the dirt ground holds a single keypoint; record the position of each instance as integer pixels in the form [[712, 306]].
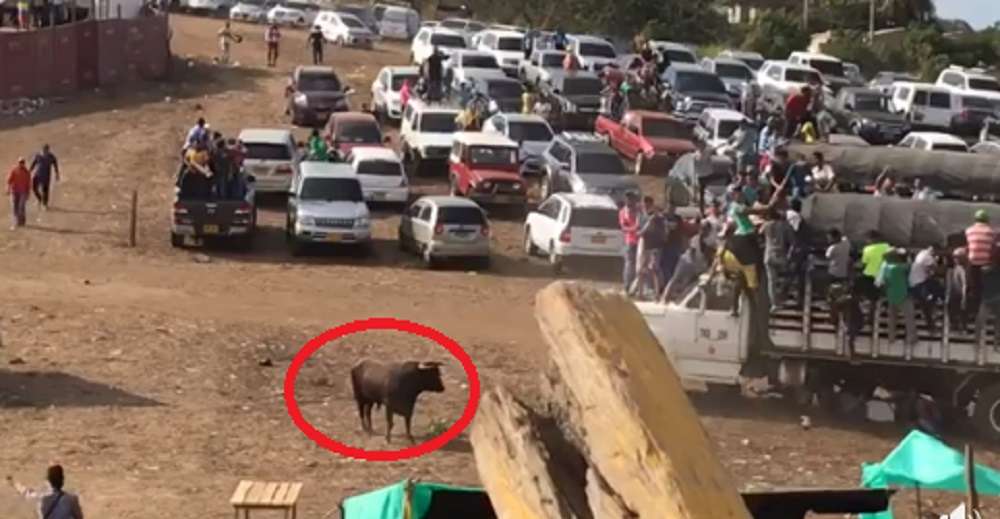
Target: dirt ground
[[140, 369]]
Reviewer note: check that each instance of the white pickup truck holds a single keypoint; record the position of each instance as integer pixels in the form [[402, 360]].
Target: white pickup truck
[[805, 349]]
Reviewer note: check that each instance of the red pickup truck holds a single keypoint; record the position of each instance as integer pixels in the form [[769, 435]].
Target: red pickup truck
[[485, 168], [651, 140]]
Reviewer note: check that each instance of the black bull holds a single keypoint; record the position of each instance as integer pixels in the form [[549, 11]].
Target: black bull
[[395, 386]]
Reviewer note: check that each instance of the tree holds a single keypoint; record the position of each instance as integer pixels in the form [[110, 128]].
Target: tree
[[905, 12], [775, 34]]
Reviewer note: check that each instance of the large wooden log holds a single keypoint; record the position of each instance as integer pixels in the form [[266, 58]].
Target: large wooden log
[[620, 408]]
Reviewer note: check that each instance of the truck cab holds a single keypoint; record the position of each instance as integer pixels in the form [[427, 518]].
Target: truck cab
[[651, 140], [485, 168]]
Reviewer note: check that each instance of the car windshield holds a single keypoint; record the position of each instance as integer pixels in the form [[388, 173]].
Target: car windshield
[[951, 147], [733, 71], [699, 82], [399, 79], [595, 218], [358, 133], [984, 84], [379, 167], [828, 67], [871, 103], [727, 128], [473, 27], [454, 24], [437, 123], [510, 43], [977, 102], [394, 15], [267, 151], [753, 63], [331, 190], [603, 163], [477, 61], [319, 83], [447, 40], [504, 89], [597, 49], [492, 156], [553, 59], [581, 86], [796, 75], [665, 128], [461, 216], [352, 22], [529, 132], [678, 56]]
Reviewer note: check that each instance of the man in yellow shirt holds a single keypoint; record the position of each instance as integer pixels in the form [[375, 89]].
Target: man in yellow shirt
[[872, 257]]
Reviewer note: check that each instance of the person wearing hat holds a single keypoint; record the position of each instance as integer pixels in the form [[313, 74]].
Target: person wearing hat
[[19, 189], [979, 238]]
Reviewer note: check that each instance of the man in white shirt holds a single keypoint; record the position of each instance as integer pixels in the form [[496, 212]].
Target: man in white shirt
[[922, 191], [823, 179], [924, 287], [838, 254]]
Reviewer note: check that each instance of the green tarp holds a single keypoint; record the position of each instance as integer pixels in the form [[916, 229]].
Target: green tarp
[[922, 460], [388, 502]]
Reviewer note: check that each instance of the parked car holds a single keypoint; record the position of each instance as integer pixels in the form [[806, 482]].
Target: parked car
[[735, 74], [298, 14], [867, 113], [426, 133], [578, 100], [652, 141], [883, 80], [464, 64], [674, 52], [326, 205], [975, 111], [381, 172], [314, 93], [926, 106], [542, 67], [693, 89], [578, 162], [532, 133], [485, 167], [506, 46], [569, 226], [232, 217], [440, 227], [503, 93], [386, 101], [272, 157], [397, 22], [972, 82], [345, 30], [831, 69], [778, 79], [209, 6], [446, 40], [249, 11], [592, 52], [716, 125], [754, 60], [346, 130], [363, 13], [933, 141]]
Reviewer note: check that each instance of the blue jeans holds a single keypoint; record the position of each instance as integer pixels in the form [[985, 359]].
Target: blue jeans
[[669, 257], [628, 270]]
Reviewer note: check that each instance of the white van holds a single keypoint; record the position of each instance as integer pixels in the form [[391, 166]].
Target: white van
[[396, 22], [716, 125], [925, 105]]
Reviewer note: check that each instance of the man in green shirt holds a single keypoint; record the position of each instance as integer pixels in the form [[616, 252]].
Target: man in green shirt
[[872, 257], [317, 147], [893, 277]]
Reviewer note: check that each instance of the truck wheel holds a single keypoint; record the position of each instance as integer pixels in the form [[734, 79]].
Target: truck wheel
[[176, 240], [529, 246], [987, 413], [638, 164]]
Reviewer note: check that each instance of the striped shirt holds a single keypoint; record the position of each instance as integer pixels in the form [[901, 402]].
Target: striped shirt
[[980, 238]]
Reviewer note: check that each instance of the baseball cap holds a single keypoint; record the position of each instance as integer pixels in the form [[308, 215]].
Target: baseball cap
[[981, 216]]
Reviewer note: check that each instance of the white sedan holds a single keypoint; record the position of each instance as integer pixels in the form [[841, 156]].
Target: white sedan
[[292, 13], [573, 225], [248, 11]]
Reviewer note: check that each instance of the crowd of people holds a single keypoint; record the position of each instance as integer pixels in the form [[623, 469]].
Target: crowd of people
[[212, 165]]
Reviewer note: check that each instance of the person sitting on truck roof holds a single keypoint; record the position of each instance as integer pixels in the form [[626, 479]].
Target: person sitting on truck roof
[[823, 178], [893, 278]]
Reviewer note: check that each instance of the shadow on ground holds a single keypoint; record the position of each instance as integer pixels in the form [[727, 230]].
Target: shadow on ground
[[53, 388]]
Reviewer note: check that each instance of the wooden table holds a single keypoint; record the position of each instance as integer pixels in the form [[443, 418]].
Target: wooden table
[[265, 495]]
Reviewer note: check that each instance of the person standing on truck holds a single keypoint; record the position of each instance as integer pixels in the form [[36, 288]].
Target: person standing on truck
[[957, 283], [797, 110], [197, 134], [872, 257], [838, 256], [980, 239], [893, 278], [778, 238], [19, 189], [315, 42], [434, 74], [924, 286], [42, 166], [628, 222], [272, 37], [653, 237]]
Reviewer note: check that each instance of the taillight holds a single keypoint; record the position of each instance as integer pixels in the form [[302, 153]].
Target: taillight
[[180, 209], [244, 209], [439, 229], [283, 170], [565, 236], [485, 230]]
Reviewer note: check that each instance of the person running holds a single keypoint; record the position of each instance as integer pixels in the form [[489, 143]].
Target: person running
[[53, 502], [315, 41], [42, 166], [19, 189], [226, 39], [272, 36]]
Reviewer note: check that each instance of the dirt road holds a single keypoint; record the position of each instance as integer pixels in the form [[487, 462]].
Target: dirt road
[[140, 369]]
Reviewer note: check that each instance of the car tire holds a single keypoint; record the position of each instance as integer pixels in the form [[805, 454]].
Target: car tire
[[176, 240], [244, 243], [427, 258], [549, 187], [638, 164], [529, 246], [555, 260], [401, 242], [484, 263], [296, 247]]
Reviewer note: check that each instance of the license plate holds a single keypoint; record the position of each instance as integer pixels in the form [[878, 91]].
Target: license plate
[[598, 239], [210, 229], [378, 196]]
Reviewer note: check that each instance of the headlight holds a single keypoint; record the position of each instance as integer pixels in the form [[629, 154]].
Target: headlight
[[867, 122], [486, 185], [301, 100], [306, 220], [362, 222], [517, 186]]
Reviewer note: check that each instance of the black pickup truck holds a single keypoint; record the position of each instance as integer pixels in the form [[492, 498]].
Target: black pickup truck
[[199, 213]]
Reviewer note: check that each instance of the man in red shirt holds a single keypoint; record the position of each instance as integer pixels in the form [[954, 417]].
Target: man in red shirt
[[796, 110], [19, 188], [628, 221]]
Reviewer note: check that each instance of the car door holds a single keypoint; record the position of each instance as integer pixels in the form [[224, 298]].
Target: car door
[[542, 232], [406, 222], [940, 108], [631, 140], [423, 225]]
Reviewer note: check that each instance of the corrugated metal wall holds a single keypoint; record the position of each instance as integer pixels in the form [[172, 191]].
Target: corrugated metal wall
[[64, 59]]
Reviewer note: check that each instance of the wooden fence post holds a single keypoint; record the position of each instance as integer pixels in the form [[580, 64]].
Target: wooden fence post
[[133, 216]]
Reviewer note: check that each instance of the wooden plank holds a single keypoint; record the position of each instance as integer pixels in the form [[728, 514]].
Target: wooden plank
[[255, 493], [617, 391], [292, 497], [280, 493], [240, 495], [267, 497]]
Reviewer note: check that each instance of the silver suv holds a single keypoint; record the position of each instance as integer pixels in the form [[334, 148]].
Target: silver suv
[[578, 162]]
